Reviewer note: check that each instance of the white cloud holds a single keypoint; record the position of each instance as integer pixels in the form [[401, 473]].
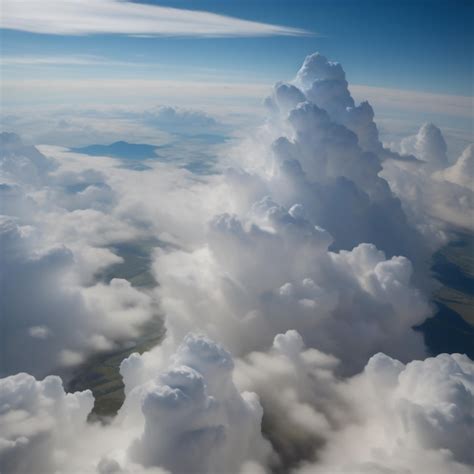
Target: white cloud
[[192, 413], [180, 120], [45, 309], [406, 418], [251, 282], [20, 162], [431, 147], [461, 172], [194, 416], [434, 194], [39, 422], [78, 60], [39, 332], [390, 418], [75, 17]]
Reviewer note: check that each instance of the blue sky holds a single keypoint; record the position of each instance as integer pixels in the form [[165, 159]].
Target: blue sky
[[419, 45]]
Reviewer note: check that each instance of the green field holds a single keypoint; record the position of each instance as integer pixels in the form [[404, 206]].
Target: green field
[[101, 373]]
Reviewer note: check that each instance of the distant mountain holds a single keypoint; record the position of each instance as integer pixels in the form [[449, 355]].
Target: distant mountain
[[121, 149]]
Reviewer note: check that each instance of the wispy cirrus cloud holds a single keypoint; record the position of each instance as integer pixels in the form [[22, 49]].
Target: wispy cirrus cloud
[[78, 17], [78, 60]]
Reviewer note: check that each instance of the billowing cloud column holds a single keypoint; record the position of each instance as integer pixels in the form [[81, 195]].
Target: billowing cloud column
[[195, 419], [253, 281]]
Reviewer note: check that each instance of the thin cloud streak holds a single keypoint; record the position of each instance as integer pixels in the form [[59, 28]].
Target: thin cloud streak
[[78, 17], [445, 104], [118, 89], [79, 60]]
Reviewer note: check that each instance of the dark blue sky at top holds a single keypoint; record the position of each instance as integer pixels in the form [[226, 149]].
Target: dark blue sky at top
[[424, 45]]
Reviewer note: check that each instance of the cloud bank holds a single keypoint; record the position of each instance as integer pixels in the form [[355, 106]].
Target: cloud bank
[[289, 281]]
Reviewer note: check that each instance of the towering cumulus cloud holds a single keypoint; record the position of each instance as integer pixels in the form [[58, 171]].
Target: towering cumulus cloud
[[194, 415], [290, 281], [435, 192]]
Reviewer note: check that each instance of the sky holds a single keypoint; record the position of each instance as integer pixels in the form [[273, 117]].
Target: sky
[[411, 59], [430, 39]]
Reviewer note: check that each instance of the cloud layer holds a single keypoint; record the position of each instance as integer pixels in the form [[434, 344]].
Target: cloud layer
[[289, 281]]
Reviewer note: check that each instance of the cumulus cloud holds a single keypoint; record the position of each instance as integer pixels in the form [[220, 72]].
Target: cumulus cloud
[[268, 266], [187, 416], [194, 415], [187, 413], [48, 319], [413, 417], [39, 422], [461, 172], [176, 119], [434, 194], [251, 283], [129, 18], [22, 162], [388, 418], [324, 83]]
